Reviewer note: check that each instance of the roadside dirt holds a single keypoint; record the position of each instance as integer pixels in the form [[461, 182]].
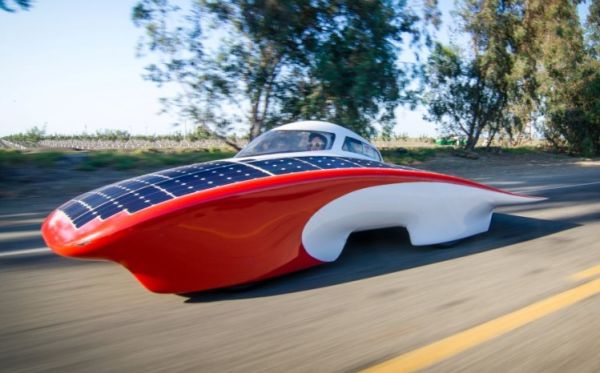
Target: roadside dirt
[[494, 164]]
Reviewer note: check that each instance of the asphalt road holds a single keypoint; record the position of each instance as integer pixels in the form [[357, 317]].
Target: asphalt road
[[452, 308]]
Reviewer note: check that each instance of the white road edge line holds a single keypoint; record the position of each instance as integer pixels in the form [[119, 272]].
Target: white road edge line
[[533, 189], [41, 250]]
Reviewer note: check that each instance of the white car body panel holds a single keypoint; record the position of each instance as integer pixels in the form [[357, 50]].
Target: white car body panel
[[432, 212]]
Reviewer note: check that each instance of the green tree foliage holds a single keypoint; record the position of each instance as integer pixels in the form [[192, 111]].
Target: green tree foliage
[[8, 7], [562, 71], [33, 134], [351, 75], [571, 86], [529, 62], [574, 125], [469, 92], [263, 62], [459, 96], [593, 29]]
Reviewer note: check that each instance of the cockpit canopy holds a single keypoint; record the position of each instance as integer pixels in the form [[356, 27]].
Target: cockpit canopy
[[288, 141], [310, 137]]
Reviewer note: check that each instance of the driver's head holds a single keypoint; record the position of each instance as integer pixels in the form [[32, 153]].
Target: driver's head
[[316, 141]]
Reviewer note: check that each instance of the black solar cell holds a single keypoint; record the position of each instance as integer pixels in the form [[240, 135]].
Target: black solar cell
[[136, 205], [94, 199], [284, 165], [107, 210], [83, 219], [113, 191], [176, 172], [331, 162], [73, 209], [133, 184], [136, 194], [150, 178], [180, 171], [367, 163]]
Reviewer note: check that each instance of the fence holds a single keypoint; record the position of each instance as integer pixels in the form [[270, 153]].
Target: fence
[[170, 144], [134, 144]]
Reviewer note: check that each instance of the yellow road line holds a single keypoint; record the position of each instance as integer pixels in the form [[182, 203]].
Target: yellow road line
[[443, 349], [590, 272]]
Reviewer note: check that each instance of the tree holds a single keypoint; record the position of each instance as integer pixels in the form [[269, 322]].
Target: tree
[[352, 76], [572, 94], [23, 4], [593, 29], [181, 61], [575, 125], [559, 70], [263, 62], [459, 96], [526, 55], [469, 91]]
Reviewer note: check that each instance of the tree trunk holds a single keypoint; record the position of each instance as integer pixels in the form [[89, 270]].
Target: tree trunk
[[255, 121], [491, 137]]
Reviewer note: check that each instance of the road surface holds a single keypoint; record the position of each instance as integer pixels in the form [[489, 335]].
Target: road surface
[[522, 297]]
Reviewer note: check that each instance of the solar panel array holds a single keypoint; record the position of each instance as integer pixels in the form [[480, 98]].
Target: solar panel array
[[136, 194]]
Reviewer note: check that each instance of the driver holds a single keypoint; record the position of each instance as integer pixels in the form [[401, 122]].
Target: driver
[[316, 141]]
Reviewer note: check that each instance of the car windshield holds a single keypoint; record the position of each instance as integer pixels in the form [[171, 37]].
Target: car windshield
[[288, 141], [357, 146]]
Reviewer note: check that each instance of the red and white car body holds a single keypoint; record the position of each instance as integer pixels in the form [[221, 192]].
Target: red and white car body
[[265, 212]]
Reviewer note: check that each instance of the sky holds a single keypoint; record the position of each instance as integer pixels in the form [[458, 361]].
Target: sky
[[71, 67]]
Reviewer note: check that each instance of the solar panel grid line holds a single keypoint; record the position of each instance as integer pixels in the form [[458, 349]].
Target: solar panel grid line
[[144, 191], [332, 162], [160, 175], [73, 208], [106, 210], [178, 188], [151, 179], [368, 163], [84, 204], [141, 199], [255, 167], [322, 162], [134, 184], [350, 161], [164, 191], [315, 161], [119, 186], [184, 173], [186, 183], [104, 195], [358, 162], [113, 191], [169, 174], [92, 210], [282, 166], [196, 166], [94, 199], [300, 160], [298, 166]]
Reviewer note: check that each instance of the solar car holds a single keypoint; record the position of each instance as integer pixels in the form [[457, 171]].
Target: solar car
[[287, 201]]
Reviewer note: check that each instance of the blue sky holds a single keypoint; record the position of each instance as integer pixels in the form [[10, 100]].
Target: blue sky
[[71, 66]]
